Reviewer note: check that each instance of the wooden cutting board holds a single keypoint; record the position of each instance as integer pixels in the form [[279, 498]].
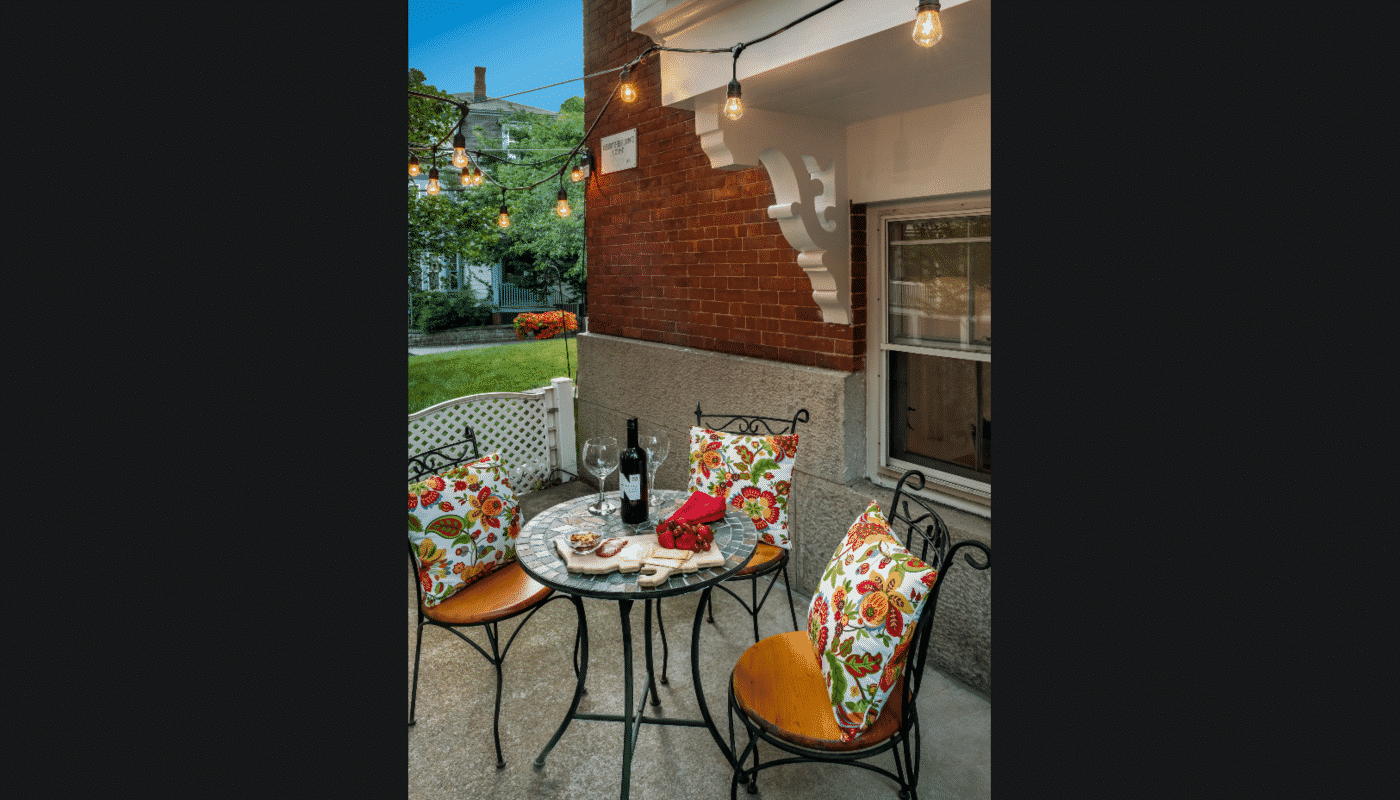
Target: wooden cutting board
[[642, 554]]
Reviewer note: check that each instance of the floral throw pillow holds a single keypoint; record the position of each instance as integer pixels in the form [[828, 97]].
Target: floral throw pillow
[[862, 618], [751, 473], [462, 524]]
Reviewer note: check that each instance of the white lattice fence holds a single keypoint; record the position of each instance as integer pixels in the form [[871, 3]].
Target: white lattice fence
[[533, 431]]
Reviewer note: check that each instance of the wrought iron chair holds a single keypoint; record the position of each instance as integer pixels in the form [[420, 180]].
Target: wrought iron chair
[[767, 559], [778, 693], [505, 593]]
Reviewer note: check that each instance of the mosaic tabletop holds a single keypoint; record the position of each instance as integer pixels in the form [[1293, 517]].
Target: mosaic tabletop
[[735, 536]]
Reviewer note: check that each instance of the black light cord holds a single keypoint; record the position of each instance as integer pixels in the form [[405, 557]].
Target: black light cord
[[734, 51]]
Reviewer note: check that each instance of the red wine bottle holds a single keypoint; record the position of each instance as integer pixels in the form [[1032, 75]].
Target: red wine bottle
[[632, 478]]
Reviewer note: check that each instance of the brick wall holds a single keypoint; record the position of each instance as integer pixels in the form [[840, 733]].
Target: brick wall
[[681, 253]]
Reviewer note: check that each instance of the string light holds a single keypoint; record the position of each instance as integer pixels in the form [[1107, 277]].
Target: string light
[[627, 91], [459, 149], [733, 106], [928, 28], [581, 168]]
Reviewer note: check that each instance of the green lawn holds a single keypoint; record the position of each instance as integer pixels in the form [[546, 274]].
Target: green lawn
[[437, 377]]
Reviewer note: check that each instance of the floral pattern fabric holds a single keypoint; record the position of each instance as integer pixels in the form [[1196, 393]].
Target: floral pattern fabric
[[463, 524], [750, 473], [862, 618]]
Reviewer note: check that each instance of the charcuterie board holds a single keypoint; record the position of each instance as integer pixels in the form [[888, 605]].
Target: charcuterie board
[[535, 548], [640, 553]]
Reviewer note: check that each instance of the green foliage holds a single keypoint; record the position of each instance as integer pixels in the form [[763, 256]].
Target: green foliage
[[540, 248], [437, 377], [450, 223], [438, 311], [428, 121]]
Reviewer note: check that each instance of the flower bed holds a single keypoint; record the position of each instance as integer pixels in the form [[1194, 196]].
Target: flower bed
[[544, 325]]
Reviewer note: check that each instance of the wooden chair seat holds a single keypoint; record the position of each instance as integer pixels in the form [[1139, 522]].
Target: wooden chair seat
[[778, 684], [506, 591], [762, 555]]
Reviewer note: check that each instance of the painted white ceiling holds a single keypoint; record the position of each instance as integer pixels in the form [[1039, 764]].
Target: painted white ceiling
[[884, 73], [856, 62]]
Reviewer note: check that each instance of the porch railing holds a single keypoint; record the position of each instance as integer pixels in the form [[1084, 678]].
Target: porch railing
[[533, 431], [508, 296]]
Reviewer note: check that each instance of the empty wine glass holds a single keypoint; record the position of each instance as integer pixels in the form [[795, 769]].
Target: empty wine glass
[[600, 455], [657, 444]]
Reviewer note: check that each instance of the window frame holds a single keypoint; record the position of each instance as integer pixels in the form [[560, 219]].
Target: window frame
[[959, 491]]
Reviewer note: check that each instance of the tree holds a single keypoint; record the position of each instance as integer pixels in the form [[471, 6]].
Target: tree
[[540, 248], [451, 223], [428, 120]]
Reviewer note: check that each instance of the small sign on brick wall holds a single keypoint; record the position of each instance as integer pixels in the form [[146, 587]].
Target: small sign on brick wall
[[619, 152]]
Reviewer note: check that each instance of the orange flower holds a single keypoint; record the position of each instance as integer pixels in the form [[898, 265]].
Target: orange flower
[[880, 598], [762, 507], [485, 507], [708, 458]]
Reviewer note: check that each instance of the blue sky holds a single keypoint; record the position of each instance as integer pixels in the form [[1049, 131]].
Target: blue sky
[[523, 44]]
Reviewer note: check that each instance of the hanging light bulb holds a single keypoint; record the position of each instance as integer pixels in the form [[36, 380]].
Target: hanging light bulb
[[627, 91], [928, 28], [466, 178], [476, 176], [734, 107], [562, 207], [581, 168], [433, 187], [504, 219], [413, 165], [459, 150]]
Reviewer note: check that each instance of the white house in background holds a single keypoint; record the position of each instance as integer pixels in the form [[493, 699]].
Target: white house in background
[[484, 279]]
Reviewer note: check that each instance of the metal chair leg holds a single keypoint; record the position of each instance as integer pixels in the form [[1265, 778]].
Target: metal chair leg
[[752, 787], [492, 632], [417, 652], [753, 606], [710, 610], [787, 584]]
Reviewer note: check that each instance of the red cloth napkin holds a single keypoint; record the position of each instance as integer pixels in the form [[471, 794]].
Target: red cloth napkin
[[699, 507]]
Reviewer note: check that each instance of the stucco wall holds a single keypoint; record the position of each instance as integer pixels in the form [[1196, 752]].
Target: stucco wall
[[661, 384]]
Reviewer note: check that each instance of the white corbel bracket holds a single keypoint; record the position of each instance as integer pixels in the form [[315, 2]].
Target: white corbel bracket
[[812, 206]]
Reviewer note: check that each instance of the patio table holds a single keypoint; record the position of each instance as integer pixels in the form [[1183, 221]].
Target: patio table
[[735, 536]]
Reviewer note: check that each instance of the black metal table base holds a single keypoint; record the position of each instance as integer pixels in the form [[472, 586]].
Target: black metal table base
[[632, 722]]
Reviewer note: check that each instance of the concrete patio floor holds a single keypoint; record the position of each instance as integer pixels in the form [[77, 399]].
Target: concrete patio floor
[[451, 753]]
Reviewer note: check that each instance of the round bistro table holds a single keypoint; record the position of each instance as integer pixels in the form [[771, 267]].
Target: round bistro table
[[736, 538]]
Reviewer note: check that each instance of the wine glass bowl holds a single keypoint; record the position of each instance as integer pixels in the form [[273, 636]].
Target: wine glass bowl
[[600, 454]]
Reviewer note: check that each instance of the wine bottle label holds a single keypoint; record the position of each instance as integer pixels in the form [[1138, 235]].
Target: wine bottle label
[[631, 486]]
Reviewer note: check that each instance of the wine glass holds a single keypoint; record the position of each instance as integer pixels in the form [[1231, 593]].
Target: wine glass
[[600, 455], [657, 444]]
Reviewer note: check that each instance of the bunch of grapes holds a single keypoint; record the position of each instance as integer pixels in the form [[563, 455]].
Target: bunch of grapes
[[682, 535]]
